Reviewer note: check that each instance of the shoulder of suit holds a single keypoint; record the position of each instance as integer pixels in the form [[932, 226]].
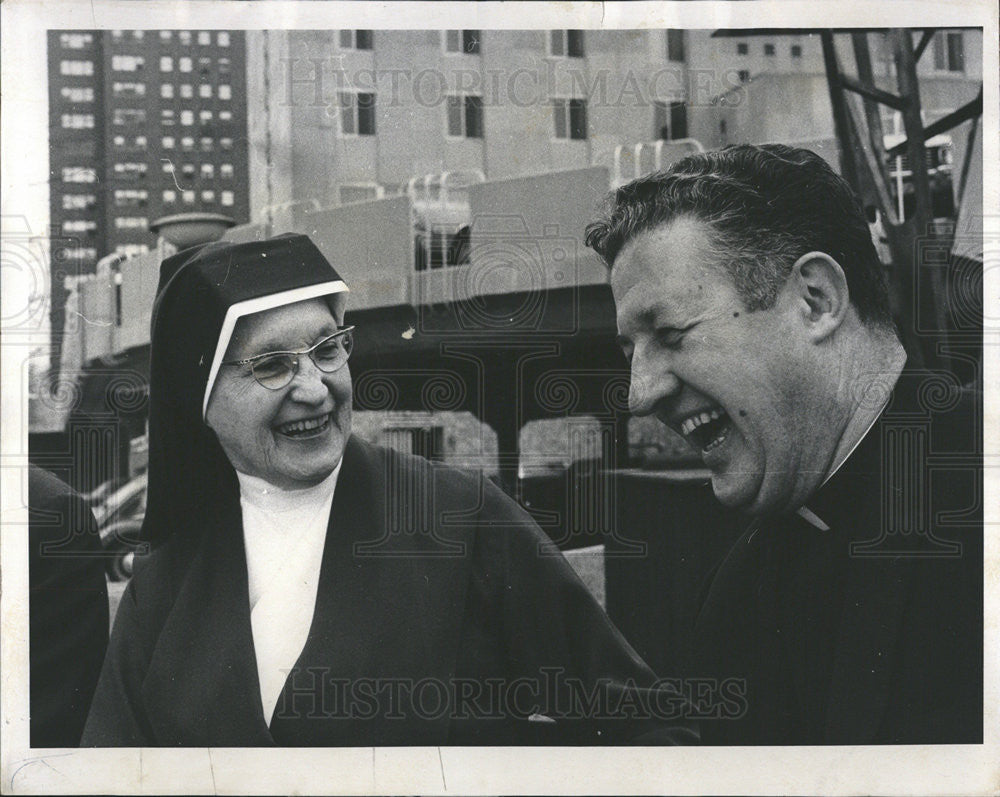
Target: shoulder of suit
[[453, 487], [444, 476]]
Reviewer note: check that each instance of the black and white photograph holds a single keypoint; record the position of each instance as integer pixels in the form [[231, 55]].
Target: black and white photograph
[[499, 398]]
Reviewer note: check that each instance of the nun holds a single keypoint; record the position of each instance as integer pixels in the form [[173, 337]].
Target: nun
[[282, 606]]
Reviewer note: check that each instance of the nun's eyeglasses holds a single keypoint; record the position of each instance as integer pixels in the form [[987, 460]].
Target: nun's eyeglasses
[[276, 369]]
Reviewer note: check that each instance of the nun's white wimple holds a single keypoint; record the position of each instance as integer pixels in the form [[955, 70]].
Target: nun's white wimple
[[251, 306]]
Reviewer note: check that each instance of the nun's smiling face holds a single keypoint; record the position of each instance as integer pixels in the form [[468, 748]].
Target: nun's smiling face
[[292, 437]]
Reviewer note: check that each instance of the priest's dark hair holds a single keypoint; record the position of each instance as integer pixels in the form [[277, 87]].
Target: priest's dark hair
[[201, 294], [768, 205]]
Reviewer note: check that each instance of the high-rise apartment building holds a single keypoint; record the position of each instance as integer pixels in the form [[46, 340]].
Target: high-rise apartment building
[[142, 123]]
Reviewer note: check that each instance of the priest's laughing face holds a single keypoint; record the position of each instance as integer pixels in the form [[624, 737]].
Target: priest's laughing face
[[292, 436]]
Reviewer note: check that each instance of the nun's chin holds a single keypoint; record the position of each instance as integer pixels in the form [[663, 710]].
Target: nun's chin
[[304, 460]]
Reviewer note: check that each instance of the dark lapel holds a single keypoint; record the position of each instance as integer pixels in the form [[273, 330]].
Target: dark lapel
[[853, 504], [381, 616], [201, 688]]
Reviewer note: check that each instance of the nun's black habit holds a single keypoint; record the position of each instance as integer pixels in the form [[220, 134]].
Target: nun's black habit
[[471, 630]]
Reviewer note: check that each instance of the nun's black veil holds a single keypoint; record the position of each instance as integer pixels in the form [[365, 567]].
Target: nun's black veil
[[201, 294]]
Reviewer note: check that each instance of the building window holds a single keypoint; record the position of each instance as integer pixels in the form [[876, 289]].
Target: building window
[[207, 171], [356, 39], [465, 116], [208, 196], [78, 201], [77, 93], [187, 143], [570, 118], [168, 142], [128, 90], [128, 116], [224, 66], [184, 37], [768, 49], [166, 35], [79, 225], [187, 117], [227, 198], [796, 51], [670, 120], [166, 63], [226, 170], [138, 143], [949, 52], [742, 48], [169, 197], [678, 120], [226, 143], [743, 75], [78, 253], [130, 171], [187, 91], [167, 91], [78, 174], [166, 117], [675, 45], [225, 92], [462, 41], [131, 223], [77, 121], [205, 91], [204, 38], [184, 64], [130, 197], [223, 38], [204, 117], [188, 197], [75, 41], [357, 113], [566, 43], [207, 143], [188, 171], [225, 116], [127, 63], [76, 68]]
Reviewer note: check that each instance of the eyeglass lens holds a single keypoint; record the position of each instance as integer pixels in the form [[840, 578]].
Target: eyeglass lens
[[328, 355]]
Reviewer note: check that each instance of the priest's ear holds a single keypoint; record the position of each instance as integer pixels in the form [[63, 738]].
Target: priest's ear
[[817, 291]]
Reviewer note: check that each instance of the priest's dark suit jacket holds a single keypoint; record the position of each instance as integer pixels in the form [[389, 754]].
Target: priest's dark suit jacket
[[870, 631], [443, 616]]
